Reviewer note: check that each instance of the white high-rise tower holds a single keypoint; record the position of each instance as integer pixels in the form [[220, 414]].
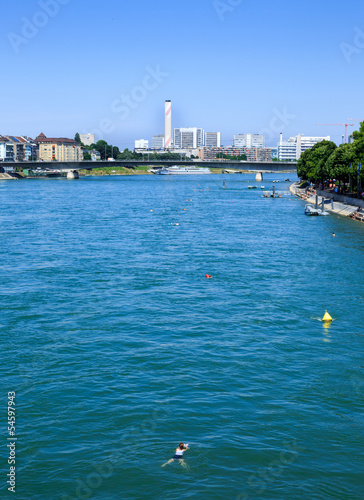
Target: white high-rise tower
[[168, 125]]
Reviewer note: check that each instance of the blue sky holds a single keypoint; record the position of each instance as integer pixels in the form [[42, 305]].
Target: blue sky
[[227, 65]]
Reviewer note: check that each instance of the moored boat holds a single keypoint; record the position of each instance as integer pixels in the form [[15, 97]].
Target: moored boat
[[310, 210]]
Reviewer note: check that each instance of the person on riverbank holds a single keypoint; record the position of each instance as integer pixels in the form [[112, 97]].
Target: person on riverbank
[[179, 455]]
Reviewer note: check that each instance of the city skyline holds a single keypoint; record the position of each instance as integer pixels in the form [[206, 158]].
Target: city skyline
[[251, 73]]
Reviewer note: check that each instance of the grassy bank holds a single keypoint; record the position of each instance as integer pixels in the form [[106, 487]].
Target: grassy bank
[[117, 171]]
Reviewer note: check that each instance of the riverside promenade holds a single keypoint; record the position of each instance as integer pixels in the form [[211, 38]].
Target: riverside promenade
[[354, 209]]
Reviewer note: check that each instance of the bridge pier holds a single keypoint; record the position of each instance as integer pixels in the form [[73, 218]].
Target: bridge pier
[[72, 174], [259, 177]]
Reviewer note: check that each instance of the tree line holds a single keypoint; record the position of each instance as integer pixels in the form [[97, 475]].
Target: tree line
[[325, 161]]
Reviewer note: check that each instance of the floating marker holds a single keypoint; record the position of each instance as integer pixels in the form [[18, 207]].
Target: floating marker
[[208, 276], [327, 317]]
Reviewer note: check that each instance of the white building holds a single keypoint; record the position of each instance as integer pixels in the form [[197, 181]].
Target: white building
[[158, 142], [304, 143], [200, 138], [141, 144], [6, 152], [249, 141], [213, 139], [188, 138], [30, 149], [87, 139], [292, 148], [287, 150]]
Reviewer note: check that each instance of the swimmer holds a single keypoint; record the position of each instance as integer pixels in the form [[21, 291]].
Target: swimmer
[[179, 455], [333, 234]]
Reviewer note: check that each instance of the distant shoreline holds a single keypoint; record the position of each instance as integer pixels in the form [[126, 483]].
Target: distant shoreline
[[112, 171]]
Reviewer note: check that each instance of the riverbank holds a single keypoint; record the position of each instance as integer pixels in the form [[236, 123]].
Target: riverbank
[[13, 176], [139, 170], [113, 170], [349, 208]]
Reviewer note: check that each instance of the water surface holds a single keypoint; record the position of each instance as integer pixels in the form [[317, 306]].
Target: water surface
[[119, 348]]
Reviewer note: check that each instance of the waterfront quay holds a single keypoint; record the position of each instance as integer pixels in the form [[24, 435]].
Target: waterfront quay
[[337, 204]]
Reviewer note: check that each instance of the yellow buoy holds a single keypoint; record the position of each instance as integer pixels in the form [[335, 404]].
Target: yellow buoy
[[327, 317]]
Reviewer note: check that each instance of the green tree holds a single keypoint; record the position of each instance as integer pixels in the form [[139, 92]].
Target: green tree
[[358, 147], [101, 147], [114, 152], [339, 161], [87, 156], [312, 164], [77, 138]]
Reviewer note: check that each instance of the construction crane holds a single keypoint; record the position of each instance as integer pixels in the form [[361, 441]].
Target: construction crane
[[340, 124], [355, 120]]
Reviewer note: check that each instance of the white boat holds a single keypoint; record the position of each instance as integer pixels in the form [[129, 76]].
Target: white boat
[[310, 210], [177, 170]]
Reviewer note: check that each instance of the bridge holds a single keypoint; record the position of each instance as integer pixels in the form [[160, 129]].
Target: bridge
[[224, 164]]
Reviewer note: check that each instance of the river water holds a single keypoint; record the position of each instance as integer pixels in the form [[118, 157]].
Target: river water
[[118, 347]]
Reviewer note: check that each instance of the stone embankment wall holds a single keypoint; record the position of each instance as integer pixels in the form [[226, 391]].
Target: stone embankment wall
[[355, 202]]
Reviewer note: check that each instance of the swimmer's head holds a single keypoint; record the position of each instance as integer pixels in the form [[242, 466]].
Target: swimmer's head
[[181, 446]]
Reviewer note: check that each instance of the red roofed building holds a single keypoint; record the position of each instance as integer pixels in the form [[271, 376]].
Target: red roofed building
[[58, 149]]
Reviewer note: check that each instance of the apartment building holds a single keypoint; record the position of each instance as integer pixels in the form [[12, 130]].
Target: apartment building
[[188, 138], [213, 139], [141, 144], [287, 150], [292, 148], [24, 148], [158, 142], [306, 142], [252, 154], [58, 149], [6, 150], [249, 141]]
